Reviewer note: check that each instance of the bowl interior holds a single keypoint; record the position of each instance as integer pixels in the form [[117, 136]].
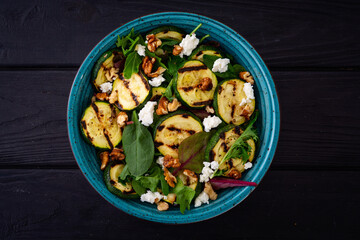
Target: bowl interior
[[266, 102]]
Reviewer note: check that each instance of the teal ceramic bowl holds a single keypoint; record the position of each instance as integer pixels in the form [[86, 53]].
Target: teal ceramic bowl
[[267, 102]]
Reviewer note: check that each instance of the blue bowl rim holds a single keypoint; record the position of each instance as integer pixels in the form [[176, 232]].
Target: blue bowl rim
[[273, 141]]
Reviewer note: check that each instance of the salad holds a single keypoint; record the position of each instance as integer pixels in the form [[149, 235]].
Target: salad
[[172, 118]]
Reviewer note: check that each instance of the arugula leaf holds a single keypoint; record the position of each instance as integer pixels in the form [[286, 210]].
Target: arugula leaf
[[174, 64], [132, 46], [168, 92], [138, 147], [192, 151], [132, 63], [240, 148], [232, 72], [169, 43], [137, 187]]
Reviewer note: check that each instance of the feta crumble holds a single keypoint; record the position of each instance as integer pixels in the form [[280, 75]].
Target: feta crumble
[[106, 87], [248, 165], [245, 101], [150, 197], [249, 91], [221, 65], [160, 161], [211, 122], [208, 170], [146, 114], [140, 49], [188, 44], [156, 81], [201, 199]]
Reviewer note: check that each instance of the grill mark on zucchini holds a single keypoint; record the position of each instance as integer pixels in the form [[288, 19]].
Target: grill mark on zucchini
[[212, 155], [161, 127], [118, 105], [232, 110], [199, 53], [96, 109], [126, 84], [187, 89], [158, 144], [220, 89], [108, 139], [202, 103], [185, 115], [112, 182], [134, 97], [237, 130], [231, 164], [189, 69], [174, 146], [224, 146], [83, 124], [191, 132], [222, 135], [144, 81]]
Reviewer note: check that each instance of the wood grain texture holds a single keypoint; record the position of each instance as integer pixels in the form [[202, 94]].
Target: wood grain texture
[[318, 124], [48, 204], [285, 33]]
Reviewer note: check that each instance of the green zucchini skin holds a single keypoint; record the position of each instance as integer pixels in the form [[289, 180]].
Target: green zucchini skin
[[239, 120], [114, 190], [180, 77], [161, 33], [170, 130], [198, 53], [89, 122]]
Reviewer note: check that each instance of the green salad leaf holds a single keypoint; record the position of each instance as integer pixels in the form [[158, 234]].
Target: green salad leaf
[[132, 63], [137, 187], [127, 43], [138, 147], [152, 178], [184, 195]]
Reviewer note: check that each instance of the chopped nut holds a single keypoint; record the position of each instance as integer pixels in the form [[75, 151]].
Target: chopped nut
[[104, 157], [209, 109], [102, 96], [234, 174], [153, 42], [147, 64], [162, 206], [206, 84], [177, 50], [169, 178], [170, 161], [159, 71], [210, 191], [121, 119], [247, 77], [162, 107], [117, 154], [111, 74], [113, 97], [171, 197], [191, 175], [247, 111], [173, 105]]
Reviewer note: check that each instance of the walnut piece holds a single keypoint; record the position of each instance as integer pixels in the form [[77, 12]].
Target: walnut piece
[[104, 157], [112, 74], [206, 84], [153, 42], [158, 71], [170, 161], [147, 64], [210, 191], [209, 109], [191, 175], [102, 96], [234, 174], [247, 77], [173, 105], [247, 111], [162, 206], [121, 119], [162, 108], [117, 154], [113, 97], [177, 50], [169, 178]]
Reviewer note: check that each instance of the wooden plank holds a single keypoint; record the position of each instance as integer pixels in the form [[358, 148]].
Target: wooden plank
[[319, 126], [49, 204], [285, 33]]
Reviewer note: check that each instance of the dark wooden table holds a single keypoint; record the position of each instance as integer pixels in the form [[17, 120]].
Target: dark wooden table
[[312, 189]]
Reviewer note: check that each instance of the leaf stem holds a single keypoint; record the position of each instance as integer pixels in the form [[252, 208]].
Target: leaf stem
[[193, 31], [204, 37]]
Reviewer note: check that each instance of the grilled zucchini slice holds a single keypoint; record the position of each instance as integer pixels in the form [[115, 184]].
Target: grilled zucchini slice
[[99, 126], [221, 142], [227, 99], [157, 92], [168, 32], [111, 178], [188, 84], [105, 62], [172, 129], [130, 93], [202, 50]]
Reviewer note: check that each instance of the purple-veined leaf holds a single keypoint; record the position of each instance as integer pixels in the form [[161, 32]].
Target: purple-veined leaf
[[219, 182]]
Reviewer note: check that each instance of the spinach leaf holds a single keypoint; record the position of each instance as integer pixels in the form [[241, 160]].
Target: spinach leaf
[[138, 147], [168, 92], [125, 173], [192, 151], [232, 72], [184, 197], [164, 185], [169, 43], [137, 187], [238, 68], [132, 63], [152, 180]]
